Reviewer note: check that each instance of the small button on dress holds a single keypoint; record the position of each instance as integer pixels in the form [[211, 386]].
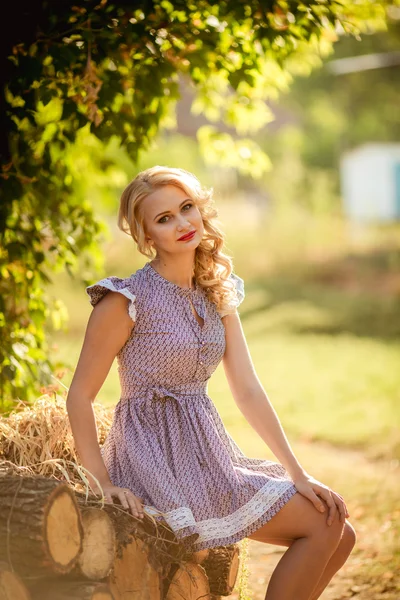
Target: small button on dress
[[167, 442]]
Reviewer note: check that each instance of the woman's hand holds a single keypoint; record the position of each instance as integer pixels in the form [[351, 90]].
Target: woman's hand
[[127, 498], [312, 488]]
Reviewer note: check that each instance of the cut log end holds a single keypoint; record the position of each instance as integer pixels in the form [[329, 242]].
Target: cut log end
[[40, 523], [63, 529], [132, 571], [104, 595], [190, 582], [11, 587], [99, 544]]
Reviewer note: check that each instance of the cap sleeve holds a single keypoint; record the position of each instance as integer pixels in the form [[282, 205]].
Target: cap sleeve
[[240, 294], [112, 284]]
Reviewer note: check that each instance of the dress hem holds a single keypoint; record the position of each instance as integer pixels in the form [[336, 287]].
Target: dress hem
[[243, 533]]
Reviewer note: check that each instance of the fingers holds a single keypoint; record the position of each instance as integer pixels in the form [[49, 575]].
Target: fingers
[[341, 504], [336, 506], [127, 499], [131, 502], [347, 514], [342, 510], [322, 496], [317, 502], [108, 498], [320, 504], [332, 508]]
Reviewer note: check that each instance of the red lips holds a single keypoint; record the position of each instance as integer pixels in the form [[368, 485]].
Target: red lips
[[187, 235]]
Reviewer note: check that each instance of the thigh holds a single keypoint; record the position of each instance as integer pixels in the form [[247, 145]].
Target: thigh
[[297, 518]]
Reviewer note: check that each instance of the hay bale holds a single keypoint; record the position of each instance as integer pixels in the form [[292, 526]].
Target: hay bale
[[38, 437]]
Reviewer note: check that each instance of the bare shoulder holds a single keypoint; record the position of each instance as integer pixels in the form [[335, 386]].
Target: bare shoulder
[[112, 313], [108, 329]]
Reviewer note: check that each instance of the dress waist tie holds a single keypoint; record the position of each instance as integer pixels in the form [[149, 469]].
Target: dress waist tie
[[148, 398]]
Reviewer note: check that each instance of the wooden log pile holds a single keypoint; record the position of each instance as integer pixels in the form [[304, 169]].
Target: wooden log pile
[[60, 542], [56, 546]]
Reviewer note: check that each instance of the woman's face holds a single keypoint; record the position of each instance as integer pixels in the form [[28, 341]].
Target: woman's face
[[168, 215]]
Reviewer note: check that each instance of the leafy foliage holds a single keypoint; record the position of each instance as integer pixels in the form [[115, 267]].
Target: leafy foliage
[[114, 68], [366, 99]]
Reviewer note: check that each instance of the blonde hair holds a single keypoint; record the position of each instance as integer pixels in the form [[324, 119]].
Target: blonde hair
[[212, 267]]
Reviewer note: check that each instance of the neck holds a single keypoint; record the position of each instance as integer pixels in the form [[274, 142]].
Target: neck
[[177, 269]]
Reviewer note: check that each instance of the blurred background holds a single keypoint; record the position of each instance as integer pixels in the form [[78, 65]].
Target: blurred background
[[315, 235], [316, 239]]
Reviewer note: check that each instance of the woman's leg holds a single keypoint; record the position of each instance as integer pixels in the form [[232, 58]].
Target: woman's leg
[[337, 559], [303, 569]]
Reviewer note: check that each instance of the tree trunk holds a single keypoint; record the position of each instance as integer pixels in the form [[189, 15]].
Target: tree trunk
[[11, 586], [40, 525]]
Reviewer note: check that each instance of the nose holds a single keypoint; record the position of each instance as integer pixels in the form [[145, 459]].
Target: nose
[[183, 223]]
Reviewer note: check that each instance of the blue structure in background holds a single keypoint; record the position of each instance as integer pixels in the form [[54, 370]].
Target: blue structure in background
[[370, 183], [397, 186]]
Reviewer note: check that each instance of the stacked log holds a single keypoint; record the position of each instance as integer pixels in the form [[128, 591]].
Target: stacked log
[[72, 590], [40, 525], [11, 586], [209, 573], [57, 543], [222, 568], [99, 545], [187, 581]]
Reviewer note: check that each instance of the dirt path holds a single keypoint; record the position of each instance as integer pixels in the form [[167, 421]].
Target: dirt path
[[346, 584], [371, 490]]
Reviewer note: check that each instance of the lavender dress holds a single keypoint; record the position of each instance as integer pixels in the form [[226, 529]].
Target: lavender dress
[[167, 442]]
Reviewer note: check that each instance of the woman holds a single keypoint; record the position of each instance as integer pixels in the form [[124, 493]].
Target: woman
[[170, 324]]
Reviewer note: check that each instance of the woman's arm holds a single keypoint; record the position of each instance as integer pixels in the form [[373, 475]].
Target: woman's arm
[[251, 398], [253, 402], [108, 329]]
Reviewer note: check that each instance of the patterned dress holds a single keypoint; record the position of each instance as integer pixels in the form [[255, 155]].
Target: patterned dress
[[167, 442]]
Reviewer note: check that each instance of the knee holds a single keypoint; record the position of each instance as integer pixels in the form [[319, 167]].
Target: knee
[[349, 538], [334, 532], [329, 535], [340, 538]]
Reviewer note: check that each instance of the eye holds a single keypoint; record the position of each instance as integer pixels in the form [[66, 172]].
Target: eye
[[188, 205]]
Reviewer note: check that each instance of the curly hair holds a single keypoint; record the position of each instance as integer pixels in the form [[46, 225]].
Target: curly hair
[[212, 267]]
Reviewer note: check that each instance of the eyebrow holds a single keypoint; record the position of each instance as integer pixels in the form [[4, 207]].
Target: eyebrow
[[167, 211]]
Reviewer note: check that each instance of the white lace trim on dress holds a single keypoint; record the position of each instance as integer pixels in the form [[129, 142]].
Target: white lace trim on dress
[[106, 283], [240, 293], [215, 528]]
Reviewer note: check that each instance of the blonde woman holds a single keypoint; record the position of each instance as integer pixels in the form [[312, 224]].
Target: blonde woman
[[170, 324]]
